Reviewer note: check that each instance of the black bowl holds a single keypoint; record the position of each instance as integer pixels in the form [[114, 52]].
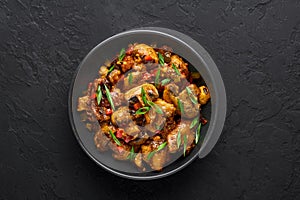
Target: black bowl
[[182, 45]]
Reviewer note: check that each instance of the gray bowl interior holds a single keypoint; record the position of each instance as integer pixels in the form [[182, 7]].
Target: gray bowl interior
[[183, 46]]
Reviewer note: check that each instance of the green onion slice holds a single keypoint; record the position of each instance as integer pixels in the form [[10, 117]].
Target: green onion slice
[[156, 107], [144, 98], [198, 133], [111, 68], [115, 138], [191, 95], [160, 147], [194, 122], [163, 145], [165, 81], [99, 94], [150, 155], [132, 154], [178, 139], [176, 69], [157, 77], [130, 78], [180, 106], [184, 144], [109, 97], [142, 110], [161, 59], [122, 54]]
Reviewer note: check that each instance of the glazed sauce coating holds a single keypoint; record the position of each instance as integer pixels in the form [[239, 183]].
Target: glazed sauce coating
[[145, 107]]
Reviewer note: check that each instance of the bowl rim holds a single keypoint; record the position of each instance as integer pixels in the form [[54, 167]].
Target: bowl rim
[[180, 38]]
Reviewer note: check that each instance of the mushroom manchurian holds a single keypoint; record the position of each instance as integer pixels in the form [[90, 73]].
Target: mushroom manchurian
[[145, 107]]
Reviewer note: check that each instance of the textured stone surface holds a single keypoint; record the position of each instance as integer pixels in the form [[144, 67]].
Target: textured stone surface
[[256, 45]]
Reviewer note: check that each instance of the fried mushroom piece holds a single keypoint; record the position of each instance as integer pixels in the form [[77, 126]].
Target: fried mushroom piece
[[180, 64], [150, 90], [204, 95], [170, 93], [145, 50], [195, 90], [121, 117]]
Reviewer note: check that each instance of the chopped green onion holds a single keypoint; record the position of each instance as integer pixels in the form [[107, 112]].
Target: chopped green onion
[[99, 94], [189, 91], [132, 154], [178, 139], [142, 110], [180, 106], [122, 54], [161, 59], [130, 78], [194, 122], [156, 107], [160, 147], [150, 155], [176, 69], [111, 68], [163, 145], [165, 81], [144, 98], [109, 97], [184, 144], [191, 95], [151, 103], [115, 138], [158, 127], [198, 133], [157, 77]]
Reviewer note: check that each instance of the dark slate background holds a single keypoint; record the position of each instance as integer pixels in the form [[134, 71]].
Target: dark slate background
[[256, 45]]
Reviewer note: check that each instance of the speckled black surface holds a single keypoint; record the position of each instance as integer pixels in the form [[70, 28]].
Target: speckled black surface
[[256, 45]]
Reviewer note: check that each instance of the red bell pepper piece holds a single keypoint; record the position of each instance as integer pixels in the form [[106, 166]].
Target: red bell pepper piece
[[109, 111], [136, 106], [119, 133], [93, 96], [148, 58]]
